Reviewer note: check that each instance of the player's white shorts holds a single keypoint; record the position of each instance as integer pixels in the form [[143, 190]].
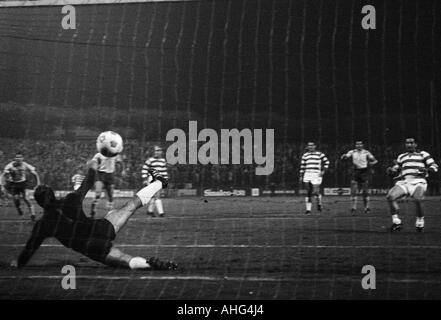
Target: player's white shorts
[[409, 185], [312, 177]]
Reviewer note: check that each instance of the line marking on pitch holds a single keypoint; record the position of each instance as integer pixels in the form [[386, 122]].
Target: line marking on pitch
[[217, 278], [248, 217], [245, 246]]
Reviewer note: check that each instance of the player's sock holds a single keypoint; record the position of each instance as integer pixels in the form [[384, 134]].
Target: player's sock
[[366, 202], [146, 193], [419, 222], [17, 206], [354, 202], [396, 219], [319, 199], [308, 204], [158, 203], [138, 263]]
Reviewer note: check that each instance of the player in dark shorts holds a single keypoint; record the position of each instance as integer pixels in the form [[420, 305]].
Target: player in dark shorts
[[16, 181], [65, 220], [106, 170], [362, 161], [361, 176]]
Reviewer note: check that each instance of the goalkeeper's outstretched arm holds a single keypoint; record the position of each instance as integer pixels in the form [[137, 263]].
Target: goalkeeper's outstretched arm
[[89, 181], [32, 245]]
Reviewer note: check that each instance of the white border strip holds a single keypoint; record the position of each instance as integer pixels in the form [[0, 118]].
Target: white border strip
[[41, 3]]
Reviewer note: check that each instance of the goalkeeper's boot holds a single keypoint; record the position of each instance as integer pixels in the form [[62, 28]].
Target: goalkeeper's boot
[[157, 264], [419, 224], [319, 207], [157, 176], [367, 210], [308, 212], [353, 212]]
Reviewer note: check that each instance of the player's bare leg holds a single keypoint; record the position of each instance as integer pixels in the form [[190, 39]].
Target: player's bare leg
[[2, 196], [317, 195], [6, 197], [29, 205], [365, 193], [308, 200], [151, 208], [158, 204], [17, 204], [418, 197], [109, 191], [392, 197], [98, 192], [354, 189]]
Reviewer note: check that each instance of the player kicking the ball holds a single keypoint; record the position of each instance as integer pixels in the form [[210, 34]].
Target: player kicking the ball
[[312, 168], [107, 166], [65, 220], [412, 168]]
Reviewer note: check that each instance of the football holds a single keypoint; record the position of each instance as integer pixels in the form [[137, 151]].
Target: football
[[109, 144]]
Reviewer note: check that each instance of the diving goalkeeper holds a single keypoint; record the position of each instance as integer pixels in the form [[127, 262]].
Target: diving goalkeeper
[[65, 220]]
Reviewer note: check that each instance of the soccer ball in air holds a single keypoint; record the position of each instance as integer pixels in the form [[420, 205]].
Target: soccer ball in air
[[109, 144]]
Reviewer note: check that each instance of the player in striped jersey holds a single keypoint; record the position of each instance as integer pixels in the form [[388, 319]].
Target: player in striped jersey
[[159, 164], [362, 160], [412, 168], [312, 168]]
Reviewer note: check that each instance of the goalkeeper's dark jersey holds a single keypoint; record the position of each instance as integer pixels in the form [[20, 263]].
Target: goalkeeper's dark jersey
[[66, 221]]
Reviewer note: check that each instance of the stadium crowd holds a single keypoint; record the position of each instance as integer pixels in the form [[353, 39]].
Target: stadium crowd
[[57, 161]]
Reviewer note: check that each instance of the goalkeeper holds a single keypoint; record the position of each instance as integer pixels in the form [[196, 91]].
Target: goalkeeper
[[65, 220]]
